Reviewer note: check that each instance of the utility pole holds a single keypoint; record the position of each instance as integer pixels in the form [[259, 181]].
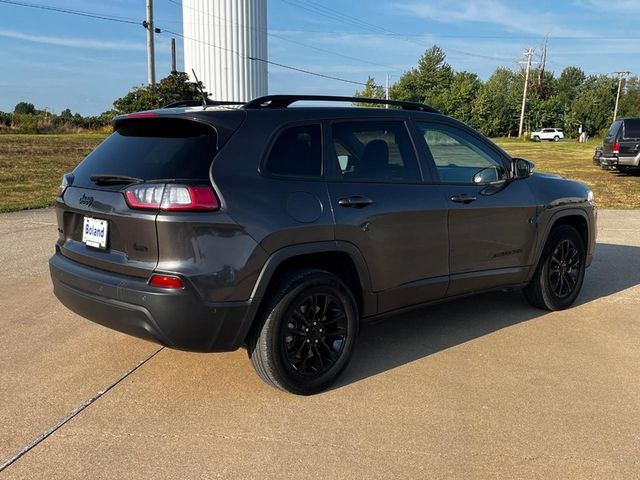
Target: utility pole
[[621, 76], [529, 54], [151, 57], [173, 55], [386, 90], [543, 63]]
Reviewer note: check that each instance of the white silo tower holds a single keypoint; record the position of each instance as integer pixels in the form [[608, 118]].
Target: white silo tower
[[220, 36]]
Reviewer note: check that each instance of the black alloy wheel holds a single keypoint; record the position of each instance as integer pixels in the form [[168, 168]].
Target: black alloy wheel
[[557, 280], [315, 334], [564, 267], [306, 332]]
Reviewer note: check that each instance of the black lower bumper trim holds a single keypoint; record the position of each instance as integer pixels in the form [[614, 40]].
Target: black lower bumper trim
[[178, 319]]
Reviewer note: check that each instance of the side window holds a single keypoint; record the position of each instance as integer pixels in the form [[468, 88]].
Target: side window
[[375, 151], [460, 158], [297, 152]]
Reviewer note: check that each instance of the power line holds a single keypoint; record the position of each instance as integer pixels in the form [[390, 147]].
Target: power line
[[264, 60], [81, 13], [344, 18], [295, 42]]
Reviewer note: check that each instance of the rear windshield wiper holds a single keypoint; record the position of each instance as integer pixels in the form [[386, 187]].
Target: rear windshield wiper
[[109, 178]]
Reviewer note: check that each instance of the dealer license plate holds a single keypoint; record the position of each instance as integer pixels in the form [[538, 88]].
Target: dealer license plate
[[94, 232]]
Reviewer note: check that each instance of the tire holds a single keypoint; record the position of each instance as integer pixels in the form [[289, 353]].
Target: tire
[[536, 138], [556, 138], [292, 349], [559, 275], [623, 169]]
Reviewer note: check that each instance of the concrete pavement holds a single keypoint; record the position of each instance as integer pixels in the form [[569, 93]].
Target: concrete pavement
[[486, 387]]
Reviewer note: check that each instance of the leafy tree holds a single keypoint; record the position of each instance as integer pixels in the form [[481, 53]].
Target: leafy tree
[[630, 98], [496, 110], [593, 107], [175, 87], [568, 84], [459, 98], [24, 108], [371, 90], [428, 82]]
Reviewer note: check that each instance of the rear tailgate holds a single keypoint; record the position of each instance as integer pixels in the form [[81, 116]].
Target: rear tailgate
[[153, 150]]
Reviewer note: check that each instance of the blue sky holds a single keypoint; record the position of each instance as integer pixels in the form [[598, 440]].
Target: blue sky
[[57, 61]]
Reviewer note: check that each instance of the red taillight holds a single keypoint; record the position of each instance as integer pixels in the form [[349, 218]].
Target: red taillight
[[165, 281], [145, 197], [616, 147], [64, 183], [172, 197]]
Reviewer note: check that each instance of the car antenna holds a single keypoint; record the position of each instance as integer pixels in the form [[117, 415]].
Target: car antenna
[[199, 87]]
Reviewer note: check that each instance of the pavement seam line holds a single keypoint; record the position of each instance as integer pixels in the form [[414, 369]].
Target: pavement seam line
[[80, 408]]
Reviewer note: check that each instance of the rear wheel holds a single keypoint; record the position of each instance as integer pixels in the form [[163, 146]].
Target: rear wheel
[[307, 333], [556, 138], [558, 278]]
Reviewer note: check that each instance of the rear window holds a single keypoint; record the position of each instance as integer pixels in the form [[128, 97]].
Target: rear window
[[632, 128], [152, 149], [613, 129]]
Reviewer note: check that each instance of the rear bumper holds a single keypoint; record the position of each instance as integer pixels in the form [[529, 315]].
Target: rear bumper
[[629, 161], [608, 163], [174, 318]]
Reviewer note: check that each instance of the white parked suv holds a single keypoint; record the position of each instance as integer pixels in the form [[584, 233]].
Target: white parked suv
[[551, 134]]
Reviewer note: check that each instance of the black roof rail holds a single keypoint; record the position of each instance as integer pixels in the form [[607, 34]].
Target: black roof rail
[[283, 101], [198, 103]]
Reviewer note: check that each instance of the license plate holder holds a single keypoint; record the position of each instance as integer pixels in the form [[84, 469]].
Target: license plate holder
[[95, 232]]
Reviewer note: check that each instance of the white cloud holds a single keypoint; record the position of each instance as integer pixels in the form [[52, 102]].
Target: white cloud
[[491, 12], [73, 42], [608, 6]]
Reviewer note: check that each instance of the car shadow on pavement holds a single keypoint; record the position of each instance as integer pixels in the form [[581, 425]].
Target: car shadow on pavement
[[401, 339]]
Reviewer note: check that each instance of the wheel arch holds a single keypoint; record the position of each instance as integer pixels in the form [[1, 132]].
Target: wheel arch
[[575, 218], [343, 259]]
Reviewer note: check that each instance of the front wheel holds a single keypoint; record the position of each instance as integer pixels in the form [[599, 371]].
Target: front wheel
[[307, 333], [558, 278], [536, 138]]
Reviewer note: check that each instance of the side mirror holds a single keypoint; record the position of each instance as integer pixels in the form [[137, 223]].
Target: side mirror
[[521, 168], [486, 176]]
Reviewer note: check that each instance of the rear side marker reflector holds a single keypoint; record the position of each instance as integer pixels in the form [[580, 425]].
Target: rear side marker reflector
[[166, 281], [172, 197]]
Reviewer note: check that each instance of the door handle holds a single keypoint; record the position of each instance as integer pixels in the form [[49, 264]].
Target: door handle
[[463, 198], [355, 202]]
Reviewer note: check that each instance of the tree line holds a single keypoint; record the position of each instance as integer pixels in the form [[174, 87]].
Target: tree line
[[571, 100], [26, 118]]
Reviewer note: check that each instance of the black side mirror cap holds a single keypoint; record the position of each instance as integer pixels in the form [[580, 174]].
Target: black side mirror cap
[[521, 168]]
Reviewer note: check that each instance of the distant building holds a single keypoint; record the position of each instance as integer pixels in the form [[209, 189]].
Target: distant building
[[220, 36]]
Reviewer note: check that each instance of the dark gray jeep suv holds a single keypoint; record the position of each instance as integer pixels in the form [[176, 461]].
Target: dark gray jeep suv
[[284, 229]]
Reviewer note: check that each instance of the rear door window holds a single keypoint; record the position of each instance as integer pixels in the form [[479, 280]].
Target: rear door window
[[632, 128], [152, 149], [297, 152]]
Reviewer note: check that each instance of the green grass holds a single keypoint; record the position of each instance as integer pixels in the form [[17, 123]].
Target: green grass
[[31, 167], [573, 160]]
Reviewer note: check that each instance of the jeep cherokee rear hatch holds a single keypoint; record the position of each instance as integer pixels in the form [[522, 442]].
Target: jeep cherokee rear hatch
[[108, 205]]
